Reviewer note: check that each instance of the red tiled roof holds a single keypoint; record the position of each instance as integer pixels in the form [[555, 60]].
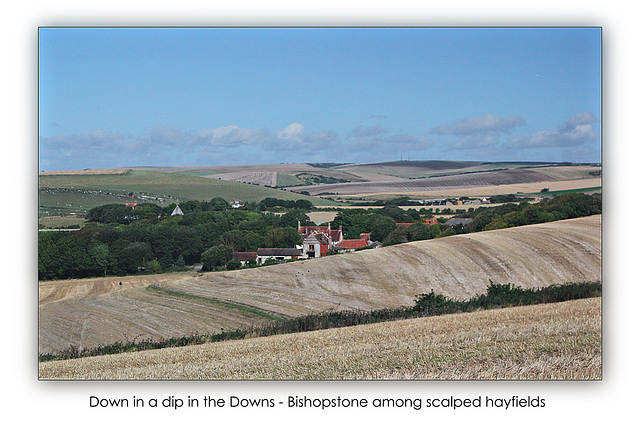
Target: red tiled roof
[[244, 256], [335, 235], [353, 244]]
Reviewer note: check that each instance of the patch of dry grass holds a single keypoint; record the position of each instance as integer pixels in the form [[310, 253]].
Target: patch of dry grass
[[551, 341]]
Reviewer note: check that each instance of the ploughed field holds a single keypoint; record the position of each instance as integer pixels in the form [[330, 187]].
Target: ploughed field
[[91, 312], [547, 341]]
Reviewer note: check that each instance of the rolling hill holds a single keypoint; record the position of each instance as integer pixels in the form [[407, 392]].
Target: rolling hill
[[159, 187], [90, 312], [550, 341]]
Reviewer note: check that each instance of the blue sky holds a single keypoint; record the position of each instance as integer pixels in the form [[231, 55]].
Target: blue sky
[[213, 96]]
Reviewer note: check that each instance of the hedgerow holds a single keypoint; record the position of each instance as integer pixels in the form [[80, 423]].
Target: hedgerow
[[426, 304]]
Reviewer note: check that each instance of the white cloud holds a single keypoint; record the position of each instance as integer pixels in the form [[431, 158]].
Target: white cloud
[[367, 132], [292, 132], [468, 142], [480, 125], [576, 131], [232, 136]]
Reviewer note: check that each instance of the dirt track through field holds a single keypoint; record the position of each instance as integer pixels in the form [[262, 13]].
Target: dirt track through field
[[88, 313]]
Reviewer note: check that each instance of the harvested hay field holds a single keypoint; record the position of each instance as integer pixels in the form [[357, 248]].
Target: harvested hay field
[[492, 190], [458, 266], [259, 178], [440, 183], [559, 341]]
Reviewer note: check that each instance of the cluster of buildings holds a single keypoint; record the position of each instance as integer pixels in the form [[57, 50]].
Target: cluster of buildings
[[317, 241]]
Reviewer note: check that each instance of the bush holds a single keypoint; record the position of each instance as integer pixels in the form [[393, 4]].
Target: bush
[[216, 256]]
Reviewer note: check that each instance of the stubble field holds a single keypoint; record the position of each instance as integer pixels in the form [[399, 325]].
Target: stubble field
[[560, 341], [91, 312]]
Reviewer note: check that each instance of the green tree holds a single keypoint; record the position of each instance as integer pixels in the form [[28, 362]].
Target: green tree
[[135, 255], [216, 256], [284, 237], [418, 231], [380, 227]]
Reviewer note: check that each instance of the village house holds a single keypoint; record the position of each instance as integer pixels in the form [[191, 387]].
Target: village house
[[430, 221], [315, 245], [237, 204], [350, 245], [278, 254], [245, 257], [318, 240]]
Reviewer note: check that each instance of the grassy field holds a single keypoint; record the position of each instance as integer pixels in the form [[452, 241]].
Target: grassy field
[[174, 185], [90, 312], [559, 341]]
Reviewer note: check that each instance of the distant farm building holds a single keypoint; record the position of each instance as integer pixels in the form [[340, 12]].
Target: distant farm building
[[245, 257], [177, 211], [237, 204], [131, 204], [318, 240], [350, 245], [278, 254]]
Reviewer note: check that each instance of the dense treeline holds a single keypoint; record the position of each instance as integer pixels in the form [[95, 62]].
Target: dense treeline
[[426, 304], [147, 238], [381, 223], [121, 240], [564, 206]]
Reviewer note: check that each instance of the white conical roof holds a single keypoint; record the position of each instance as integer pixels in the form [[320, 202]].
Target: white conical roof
[[177, 211]]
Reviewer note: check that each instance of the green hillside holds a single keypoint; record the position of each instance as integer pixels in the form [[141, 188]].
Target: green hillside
[[175, 186]]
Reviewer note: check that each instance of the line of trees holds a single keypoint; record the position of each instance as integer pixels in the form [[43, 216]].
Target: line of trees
[[381, 223], [122, 240]]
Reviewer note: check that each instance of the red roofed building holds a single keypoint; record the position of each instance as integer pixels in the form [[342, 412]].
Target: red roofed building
[[431, 221], [404, 224], [245, 257], [350, 245], [318, 240]]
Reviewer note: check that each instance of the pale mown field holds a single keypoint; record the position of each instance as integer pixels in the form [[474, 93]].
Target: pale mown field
[[559, 341], [91, 312]]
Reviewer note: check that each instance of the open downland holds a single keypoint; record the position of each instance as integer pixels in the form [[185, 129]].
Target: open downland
[[90, 312], [559, 341], [183, 187]]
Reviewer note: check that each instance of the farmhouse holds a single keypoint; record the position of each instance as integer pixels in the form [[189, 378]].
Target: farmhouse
[[278, 254], [237, 204], [245, 257], [319, 239], [315, 245]]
